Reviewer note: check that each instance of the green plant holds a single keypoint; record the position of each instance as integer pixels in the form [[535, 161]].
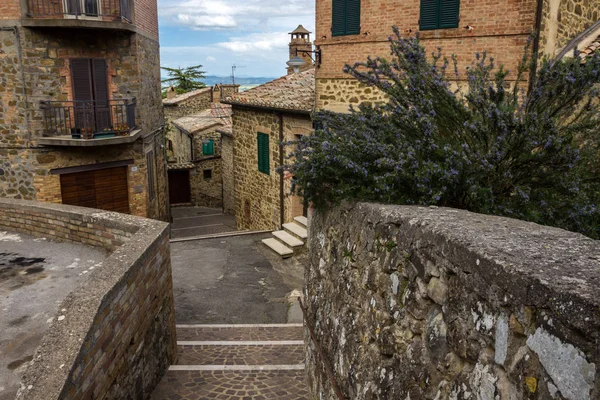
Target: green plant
[[185, 79], [493, 148]]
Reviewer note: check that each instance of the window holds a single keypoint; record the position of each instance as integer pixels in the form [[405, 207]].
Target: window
[[208, 147], [345, 17], [263, 153], [170, 145], [207, 173], [439, 14], [150, 166]]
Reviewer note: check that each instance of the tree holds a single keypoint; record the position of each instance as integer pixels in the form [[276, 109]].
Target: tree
[[494, 148], [185, 79]]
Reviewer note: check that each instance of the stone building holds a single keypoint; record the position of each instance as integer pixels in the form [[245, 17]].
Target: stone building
[[80, 110], [197, 178], [348, 31], [263, 118], [301, 46]]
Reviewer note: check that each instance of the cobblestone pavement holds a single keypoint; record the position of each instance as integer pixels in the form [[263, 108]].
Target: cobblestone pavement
[[233, 333], [232, 385], [241, 355]]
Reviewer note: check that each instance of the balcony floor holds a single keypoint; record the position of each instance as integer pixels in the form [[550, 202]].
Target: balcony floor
[[81, 23], [67, 140]]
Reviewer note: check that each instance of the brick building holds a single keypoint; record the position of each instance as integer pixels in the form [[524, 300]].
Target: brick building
[[263, 118], [348, 31], [81, 116]]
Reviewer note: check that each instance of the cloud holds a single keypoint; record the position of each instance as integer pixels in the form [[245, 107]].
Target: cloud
[[211, 58], [257, 42], [203, 22]]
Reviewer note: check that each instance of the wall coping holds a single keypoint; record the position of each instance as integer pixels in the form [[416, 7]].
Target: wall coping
[[47, 374]]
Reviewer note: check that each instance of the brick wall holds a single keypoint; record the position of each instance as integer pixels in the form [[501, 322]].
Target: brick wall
[[10, 9], [257, 195], [146, 17], [501, 28], [118, 335]]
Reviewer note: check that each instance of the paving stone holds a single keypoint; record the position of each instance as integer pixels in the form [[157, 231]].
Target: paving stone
[[292, 332], [241, 355]]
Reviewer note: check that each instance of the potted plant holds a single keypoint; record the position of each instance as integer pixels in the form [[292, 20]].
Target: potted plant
[[122, 130], [87, 133], [105, 133]]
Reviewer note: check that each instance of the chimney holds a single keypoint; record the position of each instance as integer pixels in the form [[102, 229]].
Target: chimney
[[300, 41], [171, 92]]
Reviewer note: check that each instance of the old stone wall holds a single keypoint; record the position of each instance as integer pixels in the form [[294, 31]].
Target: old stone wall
[[434, 303], [227, 173], [181, 144], [115, 334], [257, 195], [207, 191], [500, 26], [563, 20]]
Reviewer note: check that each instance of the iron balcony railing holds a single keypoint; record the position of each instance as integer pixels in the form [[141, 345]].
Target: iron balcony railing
[[115, 10], [88, 119]]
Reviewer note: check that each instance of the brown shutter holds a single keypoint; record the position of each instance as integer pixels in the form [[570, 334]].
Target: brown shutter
[[81, 75], [100, 86]]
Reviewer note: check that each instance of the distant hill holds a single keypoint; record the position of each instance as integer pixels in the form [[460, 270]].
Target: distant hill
[[244, 81]]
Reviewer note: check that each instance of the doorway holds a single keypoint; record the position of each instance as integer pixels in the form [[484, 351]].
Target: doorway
[[179, 187]]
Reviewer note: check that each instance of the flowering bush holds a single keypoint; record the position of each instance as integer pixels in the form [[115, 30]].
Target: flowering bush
[[495, 148]]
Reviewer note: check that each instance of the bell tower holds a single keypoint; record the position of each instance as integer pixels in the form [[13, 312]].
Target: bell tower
[[300, 41]]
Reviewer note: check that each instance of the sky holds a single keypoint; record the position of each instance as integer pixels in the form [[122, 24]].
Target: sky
[[253, 34]]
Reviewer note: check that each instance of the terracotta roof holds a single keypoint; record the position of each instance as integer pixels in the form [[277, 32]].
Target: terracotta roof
[[291, 92], [299, 29], [182, 97], [217, 114], [589, 51]]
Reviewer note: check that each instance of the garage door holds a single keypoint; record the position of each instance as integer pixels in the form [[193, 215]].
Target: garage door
[[105, 189]]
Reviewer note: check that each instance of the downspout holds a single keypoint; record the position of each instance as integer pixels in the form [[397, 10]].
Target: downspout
[[281, 210], [536, 43]]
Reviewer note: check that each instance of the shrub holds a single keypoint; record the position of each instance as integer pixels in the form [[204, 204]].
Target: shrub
[[494, 148]]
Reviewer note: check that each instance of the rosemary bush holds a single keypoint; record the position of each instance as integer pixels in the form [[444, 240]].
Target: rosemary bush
[[501, 147]]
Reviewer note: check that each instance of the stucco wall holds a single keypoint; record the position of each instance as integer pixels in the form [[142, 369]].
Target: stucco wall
[[257, 195], [435, 303], [114, 336]]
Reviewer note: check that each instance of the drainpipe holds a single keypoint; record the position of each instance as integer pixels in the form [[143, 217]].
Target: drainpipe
[[536, 43], [281, 211]]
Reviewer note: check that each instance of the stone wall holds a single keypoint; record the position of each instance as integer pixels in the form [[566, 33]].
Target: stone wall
[[115, 334], [227, 172], [182, 146], [207, 192], [257, 195], [563, 20], [435, 303]]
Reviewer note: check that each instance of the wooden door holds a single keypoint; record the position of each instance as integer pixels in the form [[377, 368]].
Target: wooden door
[[105, 189], [179, 187]]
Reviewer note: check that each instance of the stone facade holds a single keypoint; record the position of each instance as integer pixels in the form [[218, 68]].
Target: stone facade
[[179, 145], [207, 191], [227, 172], [36, 68], [115, 334], [563, 20], [257, 195], [434, 303]]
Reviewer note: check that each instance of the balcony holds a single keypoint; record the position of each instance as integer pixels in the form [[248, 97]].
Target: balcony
[[88, 123], [94, 14]]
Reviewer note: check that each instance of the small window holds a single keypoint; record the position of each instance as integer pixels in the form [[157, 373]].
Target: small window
[[345, 17], [150, 166], [170, 145], [208, 147], [263, 153], [439, 14], [207, 173]]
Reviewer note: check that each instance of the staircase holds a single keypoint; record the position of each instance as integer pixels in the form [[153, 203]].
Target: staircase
[[234, 362], [289, 240]]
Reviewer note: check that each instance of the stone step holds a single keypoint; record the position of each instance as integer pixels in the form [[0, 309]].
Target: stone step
[[229, 353], [296, 230], [240, 332], [287, 239], [278, 247], [277, 384], [302, 221]]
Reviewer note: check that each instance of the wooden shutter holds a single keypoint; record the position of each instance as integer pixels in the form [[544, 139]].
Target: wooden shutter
[[429, 14], [338, 17], [100, 86], [81, 76], [352, 17], [263, 153], [449, 13]]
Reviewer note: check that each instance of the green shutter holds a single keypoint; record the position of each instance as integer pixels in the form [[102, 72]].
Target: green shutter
[[352, 17], [338, 17], [208, 147], [429, 14], [262, 140], [449, 13]]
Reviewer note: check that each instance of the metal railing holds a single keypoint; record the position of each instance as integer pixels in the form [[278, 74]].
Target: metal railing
[[119, 10], [88, 119]]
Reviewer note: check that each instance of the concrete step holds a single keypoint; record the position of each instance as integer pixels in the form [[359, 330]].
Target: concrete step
[[287, 239], [278, 247], [248, 353], [276, 384], [296, 229], [240, 332], [302, 221]]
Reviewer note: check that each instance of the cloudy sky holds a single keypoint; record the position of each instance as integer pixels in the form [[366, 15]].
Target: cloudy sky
[[218, 33]]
